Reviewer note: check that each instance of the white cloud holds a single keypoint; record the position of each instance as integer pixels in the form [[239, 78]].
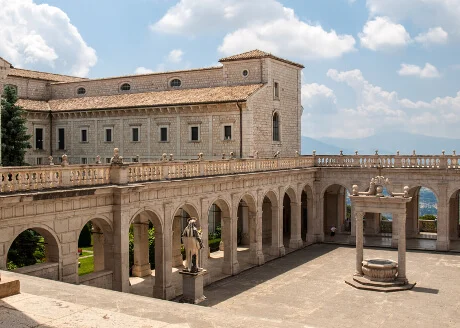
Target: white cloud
[[142, 70], [318, 97], [41, 35], [427, 72], [175, 56], [377, 109], [422, 13], [433, 36], [382, 34], [275, 28]]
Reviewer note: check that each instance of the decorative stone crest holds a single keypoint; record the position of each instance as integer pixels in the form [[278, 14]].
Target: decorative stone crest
[[98, 159], [200, 156], [376, 187], [116, 159], [50, 159], [64, 162], [164, 157]]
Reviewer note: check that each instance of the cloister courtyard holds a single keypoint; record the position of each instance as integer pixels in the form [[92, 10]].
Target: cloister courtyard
[[305, 288]]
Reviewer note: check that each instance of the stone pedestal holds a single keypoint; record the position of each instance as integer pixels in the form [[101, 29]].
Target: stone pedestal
[[192, 286], [8, 287]]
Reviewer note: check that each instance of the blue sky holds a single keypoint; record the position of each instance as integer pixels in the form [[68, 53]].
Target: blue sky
[[370, 65]]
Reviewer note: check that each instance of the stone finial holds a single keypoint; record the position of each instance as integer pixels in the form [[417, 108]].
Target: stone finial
[[454, 153], [356, 152], [297, 153], [232, 155], [256, 154], [50, 159], [98, 159], [223, 155], [314, 152], [277, 154], [355, 190], [406, 191], [341, 152], [64, 162], [200, 156], [443, 153], [171, 157], [413, 153], [116, 159], [376, 152], [397, 153], [164, 157]]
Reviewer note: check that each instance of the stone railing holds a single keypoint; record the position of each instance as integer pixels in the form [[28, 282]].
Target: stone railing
[[389, 161]]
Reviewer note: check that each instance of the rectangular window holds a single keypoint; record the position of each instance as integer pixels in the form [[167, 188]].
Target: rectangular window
[[227, 132], [135, 134], [61, 138], [276, 90], [194, 133], [38, 138], [108, 135], [84, 160], [164, 134], [84, 135], [39, 161], [108, 160]]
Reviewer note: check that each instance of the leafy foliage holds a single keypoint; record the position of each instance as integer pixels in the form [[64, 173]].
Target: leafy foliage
[[15, 139], [428, 217], [27, 249]]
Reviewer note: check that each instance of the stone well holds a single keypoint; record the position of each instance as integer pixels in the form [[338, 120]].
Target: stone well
[[380, 270]]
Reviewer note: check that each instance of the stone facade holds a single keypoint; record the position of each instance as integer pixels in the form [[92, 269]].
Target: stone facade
[[248, 122]]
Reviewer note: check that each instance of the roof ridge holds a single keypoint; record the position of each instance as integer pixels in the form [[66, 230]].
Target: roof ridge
[[6, 61], [31, 70], [258, 54]]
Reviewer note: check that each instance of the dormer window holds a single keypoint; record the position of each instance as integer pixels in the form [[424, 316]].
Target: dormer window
[[125, 87], [81, 91], [175, 83]]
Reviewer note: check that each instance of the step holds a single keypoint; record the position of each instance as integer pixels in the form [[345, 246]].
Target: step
[[383, 289], [365, 281]]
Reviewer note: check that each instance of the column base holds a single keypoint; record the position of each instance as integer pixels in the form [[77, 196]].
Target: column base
[[394, 243], [277, 251], [295, 243], [256, 258], [9, 287], [442, 245], [141, 270], [164, 293], [230, 269]]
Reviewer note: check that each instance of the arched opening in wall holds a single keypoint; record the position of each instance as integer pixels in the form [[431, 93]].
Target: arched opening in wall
[[378, 224], [246, 231], [95, 248], [145, 254], [286, 219], [220, 236], [454, 220], [422, 214], [34, 252], [271, 241], [306, 213], [337, 213]]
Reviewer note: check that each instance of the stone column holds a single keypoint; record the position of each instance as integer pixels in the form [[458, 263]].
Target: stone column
[[395, 230], [256, 255], [352, 238], [341, 210], [163, 258], [121, 221], [230, 265], [296, 238], [141, 267], [443, 240], [319, 204], [401, 247], [98, 249], [176, 242], [359, 243], [453, 218], [412, 228], [277, 247], [245, 239]]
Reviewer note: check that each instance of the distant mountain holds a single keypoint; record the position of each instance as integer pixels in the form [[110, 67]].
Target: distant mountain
[[386, 143], [310, 144]]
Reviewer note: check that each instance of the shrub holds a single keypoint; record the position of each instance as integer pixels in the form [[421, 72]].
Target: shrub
[[428, 217], [214, 244]]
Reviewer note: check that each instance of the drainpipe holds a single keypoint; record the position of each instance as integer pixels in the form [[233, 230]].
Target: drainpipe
[[241, 128]]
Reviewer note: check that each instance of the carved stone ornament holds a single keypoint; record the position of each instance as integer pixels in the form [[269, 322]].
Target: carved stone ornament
[[64, 162], [116, 159]]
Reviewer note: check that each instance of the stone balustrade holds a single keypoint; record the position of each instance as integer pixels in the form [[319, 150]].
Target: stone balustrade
[[30, 178]]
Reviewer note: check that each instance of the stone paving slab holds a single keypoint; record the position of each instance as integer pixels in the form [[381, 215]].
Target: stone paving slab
[[308, 287]]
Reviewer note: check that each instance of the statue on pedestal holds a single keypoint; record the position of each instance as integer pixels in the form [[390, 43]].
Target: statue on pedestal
[[191, 237]]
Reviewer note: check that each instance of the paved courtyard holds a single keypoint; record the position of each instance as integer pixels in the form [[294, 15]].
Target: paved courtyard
[[308, 287]]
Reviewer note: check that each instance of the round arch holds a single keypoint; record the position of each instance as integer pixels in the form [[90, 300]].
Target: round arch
[[153, 217], [414, 225], [334, 197]]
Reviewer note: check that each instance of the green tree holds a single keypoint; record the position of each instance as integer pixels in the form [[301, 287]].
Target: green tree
[[15, 139], [27, 249]]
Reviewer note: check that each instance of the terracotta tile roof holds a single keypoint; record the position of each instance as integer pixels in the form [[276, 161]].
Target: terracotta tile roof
[[148, 99], [257, 54], [43, 76], [33, 104], [147, 74]]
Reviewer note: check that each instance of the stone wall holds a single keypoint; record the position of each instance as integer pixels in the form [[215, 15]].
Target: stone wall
[[101, 279], [38, 120], [41, 270], [29, 88]]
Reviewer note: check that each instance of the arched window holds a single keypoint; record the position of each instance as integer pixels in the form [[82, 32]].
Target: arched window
[[125, 87], [175, 83], [81, 91], [276, 127]]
